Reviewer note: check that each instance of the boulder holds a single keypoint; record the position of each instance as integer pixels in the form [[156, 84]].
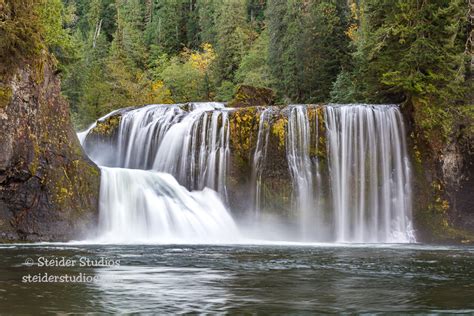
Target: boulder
[[252, 96]]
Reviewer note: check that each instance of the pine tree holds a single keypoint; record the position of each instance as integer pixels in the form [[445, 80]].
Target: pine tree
[[254, 69], [413, 49], [325, 48], [207, 15], [165, 28], [233, 39], [275, 17]]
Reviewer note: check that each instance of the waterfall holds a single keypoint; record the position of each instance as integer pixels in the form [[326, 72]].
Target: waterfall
[[259, 158], [191, 144], [156, 150], [347, 167], [149, 206], [300, 164], [369, 173]]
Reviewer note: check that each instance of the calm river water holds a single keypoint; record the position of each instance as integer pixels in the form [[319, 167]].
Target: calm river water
[[247, 278]]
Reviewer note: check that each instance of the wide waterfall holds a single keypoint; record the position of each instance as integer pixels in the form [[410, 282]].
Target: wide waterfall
[[347, 167]]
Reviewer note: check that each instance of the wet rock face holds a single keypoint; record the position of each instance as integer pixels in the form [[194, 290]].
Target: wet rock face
[[443, 181], [48, 188], [458, 170], [275, 180]]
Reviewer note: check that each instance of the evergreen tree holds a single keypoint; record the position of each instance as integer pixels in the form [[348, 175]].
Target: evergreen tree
[[275, 17], [412, 49], [256, 14], [207, 15], [254, 69], [325, 48], [165, 26], [233, 39]]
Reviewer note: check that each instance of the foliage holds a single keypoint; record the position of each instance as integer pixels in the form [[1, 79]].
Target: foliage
[[114, 53], [343, 90], [187, 75], [54, 18], [29, 26], [232, 40], [409, 49], [226, 91], [307, 48], [254, 69]]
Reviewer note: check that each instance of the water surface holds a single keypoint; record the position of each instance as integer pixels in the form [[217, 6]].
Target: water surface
[[241, 278]]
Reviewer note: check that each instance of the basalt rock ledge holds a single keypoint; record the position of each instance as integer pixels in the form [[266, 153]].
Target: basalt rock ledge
[[48, 188]]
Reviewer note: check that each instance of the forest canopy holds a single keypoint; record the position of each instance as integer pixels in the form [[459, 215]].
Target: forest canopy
[[117, 53]]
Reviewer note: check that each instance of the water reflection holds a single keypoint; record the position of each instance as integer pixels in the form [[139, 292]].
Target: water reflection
[[246, 279]]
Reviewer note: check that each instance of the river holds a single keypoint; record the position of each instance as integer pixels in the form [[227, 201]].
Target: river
[[276, 278]]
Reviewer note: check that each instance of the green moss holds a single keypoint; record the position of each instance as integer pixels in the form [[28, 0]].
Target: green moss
[[34, 164], [72, 186], [5, 96], [434, 122], [243, 134], [108, 126], [279, 130], [317, 125]]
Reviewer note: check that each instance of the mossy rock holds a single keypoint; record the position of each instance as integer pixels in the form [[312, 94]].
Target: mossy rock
[[243, 135], [252, 96], [443, 174], [49, 189], [5, 96], [108, 126]]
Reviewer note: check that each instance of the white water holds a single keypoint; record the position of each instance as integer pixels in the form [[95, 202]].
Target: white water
[[369, 174], [191, 145], [149, 206], [301, 166], [139, 204], [259, 157], [366, 178]]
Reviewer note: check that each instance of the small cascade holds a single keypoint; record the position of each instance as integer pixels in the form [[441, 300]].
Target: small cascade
[[300, 165], [259, 158], [196, 150], [149, 206]]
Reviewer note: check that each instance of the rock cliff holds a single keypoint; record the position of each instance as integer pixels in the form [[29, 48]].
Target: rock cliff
[[48, 188]]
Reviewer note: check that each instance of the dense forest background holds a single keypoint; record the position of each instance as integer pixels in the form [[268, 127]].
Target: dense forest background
[[116, 53]]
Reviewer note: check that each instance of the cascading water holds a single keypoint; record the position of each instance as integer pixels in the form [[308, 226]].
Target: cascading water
[[300, 165], [191, 145], [259, 157], [148, 206], [369, 173], [139, 204], [348, 166]]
